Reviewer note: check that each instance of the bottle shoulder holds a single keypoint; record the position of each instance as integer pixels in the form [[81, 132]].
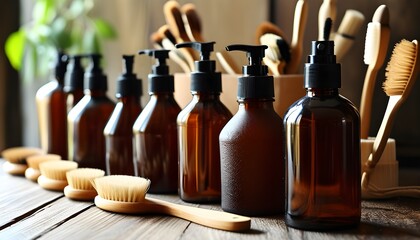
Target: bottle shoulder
[[49, 89]]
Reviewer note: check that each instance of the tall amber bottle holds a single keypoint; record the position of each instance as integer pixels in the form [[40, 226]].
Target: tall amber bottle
[[251, 144], [87, 120], [74, 82], [322, 150], [155, 130], [52, 113], [119, 129], [199, 126]]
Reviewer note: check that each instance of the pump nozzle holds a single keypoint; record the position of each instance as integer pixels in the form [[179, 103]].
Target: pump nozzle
[[161, 55], [205, 48], [61, 65], [128, 61], [255, 54], [94, 77], [75, 79]]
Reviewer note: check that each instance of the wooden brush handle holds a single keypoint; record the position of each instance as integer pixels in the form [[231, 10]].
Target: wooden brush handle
[[205, 217], [366, 101]]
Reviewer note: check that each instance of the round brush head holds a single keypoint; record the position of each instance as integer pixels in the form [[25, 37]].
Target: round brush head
[[16, 159], [53, 174], [32, 172], [80, 183]]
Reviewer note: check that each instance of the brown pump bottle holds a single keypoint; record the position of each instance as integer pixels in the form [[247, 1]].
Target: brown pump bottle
[[119, 129], [74, 81], [52, 113], [251, 144], [322, 150], [155, 130], [87, 120], [199, 126]]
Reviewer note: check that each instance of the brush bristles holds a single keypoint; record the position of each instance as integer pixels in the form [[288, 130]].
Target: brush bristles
[[267, 27], [34, 161], [272, 52], [20, 154], [57, 169], [372, 42], [121, 188], [81, 178], [400, 67]]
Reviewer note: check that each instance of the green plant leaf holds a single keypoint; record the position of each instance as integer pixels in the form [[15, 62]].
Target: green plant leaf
[[14, 48], [44, 11], [104, 29]]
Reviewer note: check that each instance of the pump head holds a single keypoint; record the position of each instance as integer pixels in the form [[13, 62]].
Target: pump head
[[160, 68], [75, 79], [95, 79], [127, 83], [61, 65], [205, 48], [159, 80], [255, 54]]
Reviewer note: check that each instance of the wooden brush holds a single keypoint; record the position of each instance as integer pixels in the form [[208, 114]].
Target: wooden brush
[[127, 194], [267, 27], [346, 33], [32, 172], [376, 46], [16, 159], [80, 183], [277, 54], [296, 45], [53, 174], [401, 74]]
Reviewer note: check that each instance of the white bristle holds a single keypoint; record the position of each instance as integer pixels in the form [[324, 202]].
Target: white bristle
[[372, 42], [121, 188], [57, 169], [272, 52], [399, 68], [81, 178]]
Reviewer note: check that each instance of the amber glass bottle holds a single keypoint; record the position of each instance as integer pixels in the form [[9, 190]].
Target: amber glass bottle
[[88, 118], [119, 129], [199, 126], [74, 82], [52, 113], [322, 150], [251, 153], [155, 130]]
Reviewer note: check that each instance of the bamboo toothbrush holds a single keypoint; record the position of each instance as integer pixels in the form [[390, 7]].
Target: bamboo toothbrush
[[127, 194], [53, 174], [16, 159], [32, 172], [346, 33], [296, 45], [376, 45], [80, 183], [401, 74], [193, 28], [173, 17], [328, 9]]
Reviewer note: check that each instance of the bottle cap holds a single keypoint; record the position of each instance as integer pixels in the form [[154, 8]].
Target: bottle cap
[[159, 80], [128, 84], [204, 78], [95, 79], [61, 66], [255, 83], [322, 70], [75, 76]]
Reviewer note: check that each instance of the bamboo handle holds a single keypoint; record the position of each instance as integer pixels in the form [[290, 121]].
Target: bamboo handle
[[366, 101]]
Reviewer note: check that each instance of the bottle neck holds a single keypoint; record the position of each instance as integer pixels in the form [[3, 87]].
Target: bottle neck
[[321, 92], [129, 99], [206, 96], [256, 103], [95, 92]]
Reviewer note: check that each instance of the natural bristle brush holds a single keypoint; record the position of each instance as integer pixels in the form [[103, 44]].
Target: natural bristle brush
[[80, 183], [16, 159], [53, 174], [32, 172], [376, 46], [401, 74], [127, 194]]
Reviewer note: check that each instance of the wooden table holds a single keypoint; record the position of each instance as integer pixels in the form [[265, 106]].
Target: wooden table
[[27, 211]]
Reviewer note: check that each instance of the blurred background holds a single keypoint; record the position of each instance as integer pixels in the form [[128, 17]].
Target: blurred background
[[226, 22]]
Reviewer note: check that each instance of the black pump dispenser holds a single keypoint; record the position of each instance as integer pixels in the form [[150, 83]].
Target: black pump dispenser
[[255, 83], [75, 78], [95, 79], [128, 84], [322, 71], [160, 80], [204, 78], [61, 66]]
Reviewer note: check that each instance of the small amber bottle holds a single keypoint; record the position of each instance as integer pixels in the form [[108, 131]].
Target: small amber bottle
[[119, 129], [322, 150], [52, 113], [199, 126], [251, 144], [87, 120], [155, 130], [74, 81]]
